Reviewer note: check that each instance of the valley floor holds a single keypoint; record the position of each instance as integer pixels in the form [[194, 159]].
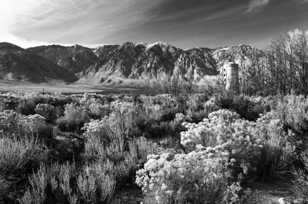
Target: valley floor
[[75, 88]]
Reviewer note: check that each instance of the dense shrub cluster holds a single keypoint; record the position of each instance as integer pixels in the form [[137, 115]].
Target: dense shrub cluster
[[177, 149], [232, 149]]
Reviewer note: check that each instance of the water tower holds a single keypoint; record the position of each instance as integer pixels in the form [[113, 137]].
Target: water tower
[[231, 72]]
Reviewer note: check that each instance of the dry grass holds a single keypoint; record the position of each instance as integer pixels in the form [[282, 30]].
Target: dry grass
[[19, 155]]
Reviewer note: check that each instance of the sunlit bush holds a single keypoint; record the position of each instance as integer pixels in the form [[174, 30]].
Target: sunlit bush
[[212, 131], [197, 177], [214, 153], [261, 146], [47, 111], [247, 150]]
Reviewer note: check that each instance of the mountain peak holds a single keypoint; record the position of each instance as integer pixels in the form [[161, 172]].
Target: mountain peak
[[158, 44]]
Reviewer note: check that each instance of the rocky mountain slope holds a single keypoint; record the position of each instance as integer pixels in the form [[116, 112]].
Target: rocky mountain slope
[[150, 62], [19, 64], [243, 55], [74, 58], [157, 61]]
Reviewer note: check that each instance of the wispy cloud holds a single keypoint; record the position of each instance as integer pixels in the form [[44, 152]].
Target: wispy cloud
[[183, 22], [255, 5]]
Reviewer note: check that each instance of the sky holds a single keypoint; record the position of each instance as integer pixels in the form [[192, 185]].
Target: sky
[[183, 23]]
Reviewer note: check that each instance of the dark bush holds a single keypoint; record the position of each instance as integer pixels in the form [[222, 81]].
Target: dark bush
[[74, 118], [246, 108], [26, 107], [70, 125], [274, 164]]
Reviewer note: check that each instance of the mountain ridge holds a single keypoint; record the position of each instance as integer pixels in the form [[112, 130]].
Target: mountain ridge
[[17, 63], [134, 61]]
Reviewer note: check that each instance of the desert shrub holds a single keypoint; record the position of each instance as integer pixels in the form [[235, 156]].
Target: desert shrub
[[64, 183], [149, 119], [27, 103], [246, 108], [100, 134], [97, 110], [74, 118], [160, 106], [278, 157], [8, 102], [196, 101], [223, 129], [18, 156], [153, 121], [96, 107], [26, 107], [223, 147], [154, 129], [212, 131], [94, 185], [300, 188], [47, 111], [31, 124], [36, 193], [106, 143], [109, 138], [14, 125], [203, 110], [274, 164], [9, 122], [60, 100], [261, 146], [51, 184], [141, 148], [197, 177], [293, 111]]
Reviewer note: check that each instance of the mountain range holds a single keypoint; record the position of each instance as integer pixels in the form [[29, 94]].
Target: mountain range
[[110, 63]]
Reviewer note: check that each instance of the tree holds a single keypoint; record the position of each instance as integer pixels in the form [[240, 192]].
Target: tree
[[287, 63]]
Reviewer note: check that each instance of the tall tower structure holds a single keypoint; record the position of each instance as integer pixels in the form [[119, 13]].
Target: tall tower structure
[[231, 74]]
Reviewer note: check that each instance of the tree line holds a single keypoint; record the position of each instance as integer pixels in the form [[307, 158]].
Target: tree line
[[281, 69]]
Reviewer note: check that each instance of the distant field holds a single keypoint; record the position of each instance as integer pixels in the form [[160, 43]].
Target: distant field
[[13, 86], [132, 87]]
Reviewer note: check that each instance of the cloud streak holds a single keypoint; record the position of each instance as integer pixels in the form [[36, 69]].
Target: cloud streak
[[184, 23], [255, 5]]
